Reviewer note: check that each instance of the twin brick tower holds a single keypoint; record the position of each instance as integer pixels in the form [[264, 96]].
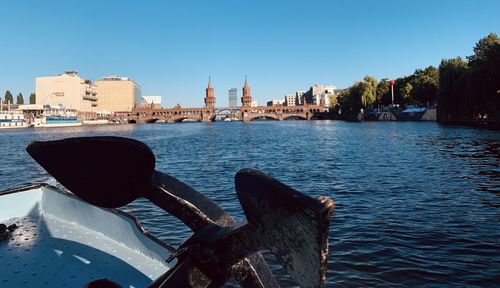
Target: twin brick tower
[[246, 99]]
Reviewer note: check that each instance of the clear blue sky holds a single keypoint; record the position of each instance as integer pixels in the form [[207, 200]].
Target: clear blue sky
[[171, 47]]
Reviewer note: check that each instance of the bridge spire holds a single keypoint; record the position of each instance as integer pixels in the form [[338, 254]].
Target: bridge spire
[[246, 99], [210, 95], [246, 83]]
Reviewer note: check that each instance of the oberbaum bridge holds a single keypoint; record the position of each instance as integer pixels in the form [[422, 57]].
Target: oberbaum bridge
[[209, 113]]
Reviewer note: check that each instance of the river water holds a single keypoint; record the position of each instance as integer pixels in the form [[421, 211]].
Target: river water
[[417, 204]]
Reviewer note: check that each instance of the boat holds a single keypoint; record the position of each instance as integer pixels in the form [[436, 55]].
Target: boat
[[77, 237], [57, 116], [96, 121], [12, 119]]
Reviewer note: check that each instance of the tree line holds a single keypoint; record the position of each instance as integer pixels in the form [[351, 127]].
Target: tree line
[[464, 89], [8, 98]]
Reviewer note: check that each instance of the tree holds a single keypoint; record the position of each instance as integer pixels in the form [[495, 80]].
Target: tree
[[32, 98], [20, 99], [332, 100], [402, 93], [483, 49], [425, 85], [369, 91], [454, 100], [383, 92], [8, 97], [350, 101], [406, 93], [485, 75]]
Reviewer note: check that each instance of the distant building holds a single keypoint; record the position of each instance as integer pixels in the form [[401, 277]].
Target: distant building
[[254, 103], [299, 97], [233, 97], [275, 102], [118, 94], [152, 101], [320, 94], [295, 99], [68, 90], [290, 100]]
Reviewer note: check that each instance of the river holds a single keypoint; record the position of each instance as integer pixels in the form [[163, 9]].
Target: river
[[417, 204]]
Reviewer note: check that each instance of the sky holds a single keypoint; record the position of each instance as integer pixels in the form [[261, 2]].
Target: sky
[[170, 48]]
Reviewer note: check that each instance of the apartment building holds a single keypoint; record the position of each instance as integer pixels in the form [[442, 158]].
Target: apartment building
[[118, 94]]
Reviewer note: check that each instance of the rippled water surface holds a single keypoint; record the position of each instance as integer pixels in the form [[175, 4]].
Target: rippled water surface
[[417, 204]]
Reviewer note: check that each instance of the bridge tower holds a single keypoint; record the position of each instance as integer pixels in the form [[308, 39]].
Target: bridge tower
[[209, 95], [246, 99]]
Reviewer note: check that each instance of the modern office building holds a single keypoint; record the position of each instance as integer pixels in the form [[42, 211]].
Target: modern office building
[[233, 97], [68, 90], [118, 94]]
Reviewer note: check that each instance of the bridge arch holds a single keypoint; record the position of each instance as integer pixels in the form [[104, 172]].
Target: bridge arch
[[266, 116], [181, 118], [295, 117]]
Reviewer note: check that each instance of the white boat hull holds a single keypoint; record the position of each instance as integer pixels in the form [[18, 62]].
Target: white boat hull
[[48, 125], [96, 122], [63, 241], [24, 125]]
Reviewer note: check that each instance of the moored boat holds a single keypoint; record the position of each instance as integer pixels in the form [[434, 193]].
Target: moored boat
[[57, 117], [96, 121], [12, 119]]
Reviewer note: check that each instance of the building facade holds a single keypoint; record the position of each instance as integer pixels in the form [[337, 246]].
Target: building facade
[[68, 90], [320, 95], [290, 100], [233, 97], [118, 94]]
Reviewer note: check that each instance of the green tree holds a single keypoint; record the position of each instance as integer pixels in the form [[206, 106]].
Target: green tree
[[8, 97], [400, 90], [32, 98], [369, 91], [406, 93], [454, 100], [425, 85], [383, 92], [485, 75], [350, 101], [333, 100], [484, 49], [20, 99]]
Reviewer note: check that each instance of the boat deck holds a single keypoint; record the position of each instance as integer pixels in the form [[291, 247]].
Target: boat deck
[[50, 251]]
